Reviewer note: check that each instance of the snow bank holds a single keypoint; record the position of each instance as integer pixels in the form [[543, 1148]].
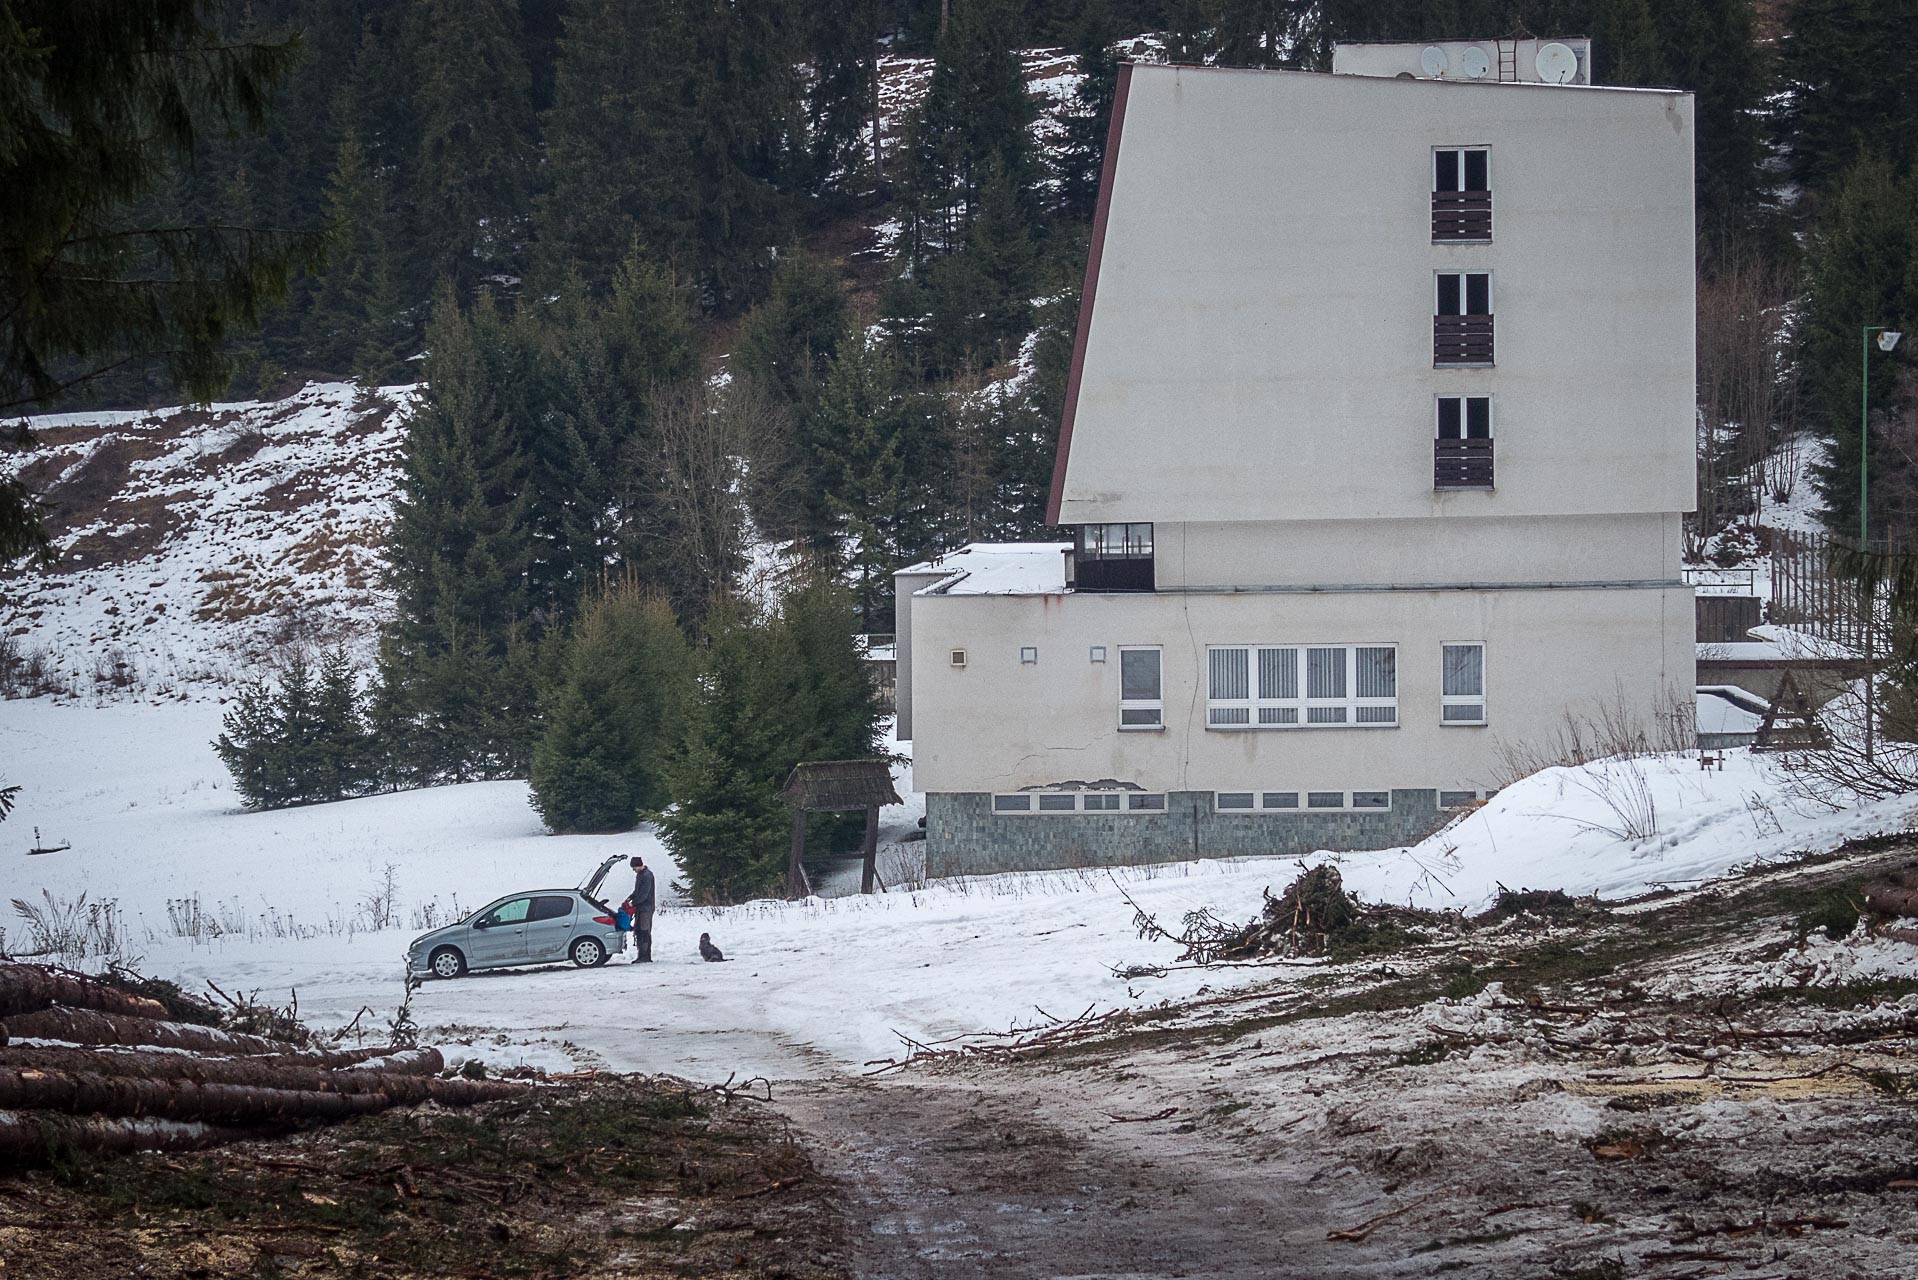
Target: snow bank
[[1616, 828]]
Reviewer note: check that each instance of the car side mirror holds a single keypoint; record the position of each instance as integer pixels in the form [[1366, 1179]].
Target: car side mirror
[[487, 923]]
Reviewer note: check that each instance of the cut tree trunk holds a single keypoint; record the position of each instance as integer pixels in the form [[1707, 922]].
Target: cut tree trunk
[[263, 1072], [1891, 899], [84, 1026], [78, 1093], [26, 988], [25, 1137]]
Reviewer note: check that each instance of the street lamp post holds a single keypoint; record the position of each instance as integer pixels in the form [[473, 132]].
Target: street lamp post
[[1887, 340]]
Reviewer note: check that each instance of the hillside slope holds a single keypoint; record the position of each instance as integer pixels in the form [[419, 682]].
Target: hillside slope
[[195, 545]]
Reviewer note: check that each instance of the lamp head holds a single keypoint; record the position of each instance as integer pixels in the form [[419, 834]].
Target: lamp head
[[1889, 339]]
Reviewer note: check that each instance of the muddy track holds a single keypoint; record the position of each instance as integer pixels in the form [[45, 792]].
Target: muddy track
[[1020, 1175]]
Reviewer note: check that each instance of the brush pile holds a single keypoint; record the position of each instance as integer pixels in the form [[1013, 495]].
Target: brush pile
[[1315, 916], [86, 1065]]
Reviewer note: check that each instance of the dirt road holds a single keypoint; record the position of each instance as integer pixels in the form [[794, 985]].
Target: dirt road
[[1022, 1175]]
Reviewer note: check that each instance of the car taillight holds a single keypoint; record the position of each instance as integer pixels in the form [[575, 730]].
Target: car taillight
[[605, 920]]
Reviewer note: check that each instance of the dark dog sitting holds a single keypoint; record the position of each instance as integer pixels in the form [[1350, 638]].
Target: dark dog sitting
[[707, 950]]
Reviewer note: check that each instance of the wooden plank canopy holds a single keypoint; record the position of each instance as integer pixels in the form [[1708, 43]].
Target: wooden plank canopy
[[837, 786]]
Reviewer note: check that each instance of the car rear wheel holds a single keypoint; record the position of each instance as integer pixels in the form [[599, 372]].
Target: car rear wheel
[[588, 952], [447, 962]]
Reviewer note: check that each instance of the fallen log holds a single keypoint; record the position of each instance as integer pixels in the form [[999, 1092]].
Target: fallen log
[[85, 1026], [263, 1072], [90, 1093], [28, 988], [1888, 899], [28, 1137]]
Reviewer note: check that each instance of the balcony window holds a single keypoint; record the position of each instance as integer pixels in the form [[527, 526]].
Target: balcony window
[[1462, 318], [1112, 557], [1461, 195], [1462, 449]]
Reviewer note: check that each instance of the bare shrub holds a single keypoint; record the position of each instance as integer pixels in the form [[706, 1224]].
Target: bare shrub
[[28, 673], [73, 931], [1607, 749], [1605, 731], [379, 909]]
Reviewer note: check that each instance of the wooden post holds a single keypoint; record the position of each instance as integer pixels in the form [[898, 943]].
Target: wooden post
[[871, 849], [795, 871]]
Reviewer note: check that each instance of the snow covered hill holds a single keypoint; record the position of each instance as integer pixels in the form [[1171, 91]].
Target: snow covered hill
[[193, 545]]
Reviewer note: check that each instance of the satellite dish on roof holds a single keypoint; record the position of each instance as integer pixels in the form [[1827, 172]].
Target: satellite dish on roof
[[1433, 61], [1556, 63], [1474, 63]]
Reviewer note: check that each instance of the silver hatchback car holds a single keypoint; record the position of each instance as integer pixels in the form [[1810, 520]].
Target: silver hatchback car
[[541, 926]]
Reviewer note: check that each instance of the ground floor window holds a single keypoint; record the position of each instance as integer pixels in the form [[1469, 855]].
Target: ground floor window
[[1301, 686], [1462, 684], [1141, 693], [1059, 802]]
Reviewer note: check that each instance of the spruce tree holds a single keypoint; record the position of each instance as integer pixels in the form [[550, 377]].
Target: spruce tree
[[1848, 69], [728, 827], [1860, 252], [249, 746], [475, 124], [342, 759], [461, 550], [787, 341], [976, 111], [617, 715], [842, 101], [1085, 119]]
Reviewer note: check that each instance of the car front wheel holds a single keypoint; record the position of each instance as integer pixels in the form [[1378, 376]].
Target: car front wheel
[[587, 952], [447, 962]]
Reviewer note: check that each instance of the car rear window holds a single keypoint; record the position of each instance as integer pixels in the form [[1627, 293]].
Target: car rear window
[[551, 908]]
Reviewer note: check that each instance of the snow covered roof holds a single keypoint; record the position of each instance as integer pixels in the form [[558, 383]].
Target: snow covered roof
[[997, 569], [1719, 712], [1773, 643]]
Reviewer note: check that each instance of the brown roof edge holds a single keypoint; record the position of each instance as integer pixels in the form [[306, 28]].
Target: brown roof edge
[[1086, 293]]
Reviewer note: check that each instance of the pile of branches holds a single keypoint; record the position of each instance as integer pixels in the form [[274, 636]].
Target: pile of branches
[[1314, 916], [110, 1069]]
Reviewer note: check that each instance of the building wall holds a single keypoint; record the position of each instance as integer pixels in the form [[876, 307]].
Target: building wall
[[1000, 724], [1261, 335], [1264, 553], [904, 584], [965, 837]]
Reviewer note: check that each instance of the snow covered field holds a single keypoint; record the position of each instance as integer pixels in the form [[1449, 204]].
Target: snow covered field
[[825, 985]]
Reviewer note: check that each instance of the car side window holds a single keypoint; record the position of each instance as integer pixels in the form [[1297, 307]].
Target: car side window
[[513, 912], [554, 908]]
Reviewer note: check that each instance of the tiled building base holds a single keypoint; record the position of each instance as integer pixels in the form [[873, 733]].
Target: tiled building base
[[965, 837]]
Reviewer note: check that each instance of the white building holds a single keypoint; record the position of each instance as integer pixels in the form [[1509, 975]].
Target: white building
[[1375, 449]]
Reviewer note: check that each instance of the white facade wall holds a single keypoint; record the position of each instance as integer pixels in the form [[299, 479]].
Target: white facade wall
[[1261, 339], [1000, 724]]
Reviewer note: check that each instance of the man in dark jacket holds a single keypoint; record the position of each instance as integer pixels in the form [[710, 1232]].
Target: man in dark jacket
[[642, 900]]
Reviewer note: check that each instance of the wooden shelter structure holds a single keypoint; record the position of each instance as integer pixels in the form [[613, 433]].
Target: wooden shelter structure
[[837, 786]]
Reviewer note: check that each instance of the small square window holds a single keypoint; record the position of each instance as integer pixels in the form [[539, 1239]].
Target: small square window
[[1325, 799], [1101, 803], [1029, 654], [1139, 801], [1098, 653], [1012, 804], [1058, 802], [1279, 800], [1371, 799], [1233, 799], [958, 657]]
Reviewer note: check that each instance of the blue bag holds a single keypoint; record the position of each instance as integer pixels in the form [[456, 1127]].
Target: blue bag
[[623, 920]]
